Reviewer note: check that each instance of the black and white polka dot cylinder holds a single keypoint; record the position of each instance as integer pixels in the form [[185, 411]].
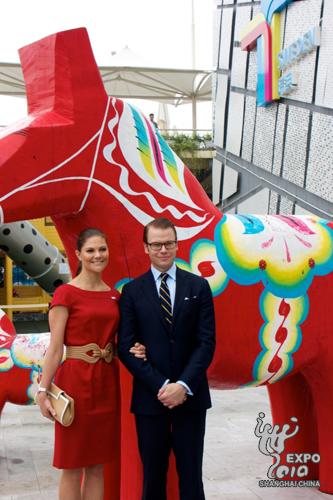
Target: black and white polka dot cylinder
[[29, 249]]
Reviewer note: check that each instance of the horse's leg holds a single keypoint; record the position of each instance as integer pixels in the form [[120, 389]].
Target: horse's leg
[[14, 385], [292, 397], [320, 378]]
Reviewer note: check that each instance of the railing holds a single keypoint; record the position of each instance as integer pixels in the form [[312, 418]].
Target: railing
[[175, 131]]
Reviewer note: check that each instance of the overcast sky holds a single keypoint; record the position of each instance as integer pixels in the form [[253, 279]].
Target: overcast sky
[[158, 31]]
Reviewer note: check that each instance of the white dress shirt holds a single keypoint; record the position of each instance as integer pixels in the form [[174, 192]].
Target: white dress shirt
[[171, 282]]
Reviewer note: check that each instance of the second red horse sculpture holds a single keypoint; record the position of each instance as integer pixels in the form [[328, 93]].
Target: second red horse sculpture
[[87, 159]]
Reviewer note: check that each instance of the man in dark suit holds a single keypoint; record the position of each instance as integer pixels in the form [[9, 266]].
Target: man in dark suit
[[171, 312]]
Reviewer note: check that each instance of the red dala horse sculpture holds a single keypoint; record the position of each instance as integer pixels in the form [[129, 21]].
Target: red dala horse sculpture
[[87, 159]]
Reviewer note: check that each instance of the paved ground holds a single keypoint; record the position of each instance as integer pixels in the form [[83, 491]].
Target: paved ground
[[233, 464]]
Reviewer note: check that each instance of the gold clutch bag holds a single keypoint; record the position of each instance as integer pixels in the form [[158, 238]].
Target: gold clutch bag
[[62, 404]]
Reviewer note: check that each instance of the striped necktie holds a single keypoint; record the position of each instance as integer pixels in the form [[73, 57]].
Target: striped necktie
[[165, 298]]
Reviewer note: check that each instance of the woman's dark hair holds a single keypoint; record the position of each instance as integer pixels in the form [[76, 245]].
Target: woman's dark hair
[[83, 237], [159, 223]]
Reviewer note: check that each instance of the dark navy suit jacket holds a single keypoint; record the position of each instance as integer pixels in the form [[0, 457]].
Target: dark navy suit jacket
[[182, 352]]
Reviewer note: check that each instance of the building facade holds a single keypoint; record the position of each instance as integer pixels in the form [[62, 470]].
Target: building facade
[[273, 106]]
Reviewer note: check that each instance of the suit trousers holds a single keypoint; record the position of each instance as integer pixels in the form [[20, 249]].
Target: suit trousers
[[157, 436]]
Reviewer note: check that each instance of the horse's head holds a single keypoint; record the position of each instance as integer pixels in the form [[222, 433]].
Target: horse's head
[[87, 159], [43, 155]]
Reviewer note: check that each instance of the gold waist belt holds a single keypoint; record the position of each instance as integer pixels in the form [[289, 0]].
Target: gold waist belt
[[95, 352]]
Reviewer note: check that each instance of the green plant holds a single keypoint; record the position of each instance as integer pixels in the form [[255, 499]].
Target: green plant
[[182, 143]]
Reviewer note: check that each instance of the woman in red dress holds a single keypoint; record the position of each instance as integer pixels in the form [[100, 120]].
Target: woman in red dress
[[85, 311]]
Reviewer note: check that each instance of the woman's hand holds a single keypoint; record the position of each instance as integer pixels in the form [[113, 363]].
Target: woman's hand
[[45, 406], [139, 351]]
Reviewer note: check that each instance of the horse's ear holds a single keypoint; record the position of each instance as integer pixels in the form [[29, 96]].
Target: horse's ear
[[61, 74]]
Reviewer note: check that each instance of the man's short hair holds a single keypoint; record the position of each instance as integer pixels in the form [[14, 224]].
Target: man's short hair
[[159, 223]]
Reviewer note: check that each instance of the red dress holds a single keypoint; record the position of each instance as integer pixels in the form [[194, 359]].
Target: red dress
[[93, 437]]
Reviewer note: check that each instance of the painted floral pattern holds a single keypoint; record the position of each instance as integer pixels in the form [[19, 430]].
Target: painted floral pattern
[[284, 253]]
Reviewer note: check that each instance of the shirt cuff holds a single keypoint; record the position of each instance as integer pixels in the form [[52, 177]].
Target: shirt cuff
[[188, 390]]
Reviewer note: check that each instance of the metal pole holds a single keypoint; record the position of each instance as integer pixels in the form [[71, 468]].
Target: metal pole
[[194, 115], [193, 35], [194, 104]]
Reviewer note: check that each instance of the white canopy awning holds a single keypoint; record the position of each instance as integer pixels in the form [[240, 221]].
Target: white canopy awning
[[11, 79], [169, 86]]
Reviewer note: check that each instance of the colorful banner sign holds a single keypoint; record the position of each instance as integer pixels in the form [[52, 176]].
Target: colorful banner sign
[[264, 32]]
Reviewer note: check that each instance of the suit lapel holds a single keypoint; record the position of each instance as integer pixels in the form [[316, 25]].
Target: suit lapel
[[150, 290], [182, 286]]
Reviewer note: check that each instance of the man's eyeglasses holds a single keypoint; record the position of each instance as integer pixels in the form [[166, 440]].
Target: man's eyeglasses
[[168, 245]]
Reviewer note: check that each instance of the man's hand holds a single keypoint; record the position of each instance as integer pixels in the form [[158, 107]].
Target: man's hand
[[172, 395]]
